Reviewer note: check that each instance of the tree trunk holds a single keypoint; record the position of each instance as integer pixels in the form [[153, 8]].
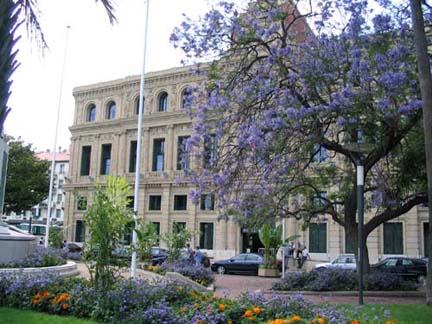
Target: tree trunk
[[352, 235], [426, 94]]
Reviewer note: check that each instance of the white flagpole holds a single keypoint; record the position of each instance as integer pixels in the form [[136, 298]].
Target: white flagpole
[[139, 144], [53, 154]]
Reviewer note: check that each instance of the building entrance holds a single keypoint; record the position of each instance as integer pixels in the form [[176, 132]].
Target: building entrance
[[250, 241]]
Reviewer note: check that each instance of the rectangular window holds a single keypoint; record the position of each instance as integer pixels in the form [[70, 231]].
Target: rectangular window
[[82, 203], [319, 200], [80, 231], [127, 239], [60, 186], [320, 154], [105, 167], [318, 238], [157, 230], [183, 153], [59, 198], [179, 227], [180, 202], [132, 156], [210, 151], [155, 202], [58, 213], [130, 203], [207, 202], [85, 160], [206, 235], [62, 169], [158, 154], [393, 238]]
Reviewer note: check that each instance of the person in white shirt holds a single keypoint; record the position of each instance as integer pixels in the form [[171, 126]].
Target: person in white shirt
[[304, 256]]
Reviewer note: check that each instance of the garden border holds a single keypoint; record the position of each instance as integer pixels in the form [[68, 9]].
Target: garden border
[[69, 269], [189, 282], [371, 293]]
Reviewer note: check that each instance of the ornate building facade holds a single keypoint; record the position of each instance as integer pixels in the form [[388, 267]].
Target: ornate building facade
[[104, 139]]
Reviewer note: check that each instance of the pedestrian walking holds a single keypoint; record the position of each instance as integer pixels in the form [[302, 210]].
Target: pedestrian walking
[[198, 256], [304, 256], [286, 255], [190, 253]]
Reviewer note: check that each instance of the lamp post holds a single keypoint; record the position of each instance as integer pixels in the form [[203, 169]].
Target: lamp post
[[139, 141], [360, 214]]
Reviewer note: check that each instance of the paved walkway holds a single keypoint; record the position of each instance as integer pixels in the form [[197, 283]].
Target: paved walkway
[[232, 286]]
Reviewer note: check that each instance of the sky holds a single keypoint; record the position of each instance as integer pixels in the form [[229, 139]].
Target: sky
[[96, 52]]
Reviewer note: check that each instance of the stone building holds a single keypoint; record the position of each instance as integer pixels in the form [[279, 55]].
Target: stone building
[[104, 139]]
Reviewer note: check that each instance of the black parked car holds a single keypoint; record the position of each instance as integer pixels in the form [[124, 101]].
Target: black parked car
[[242, 263], [408, 268], [158, 255]]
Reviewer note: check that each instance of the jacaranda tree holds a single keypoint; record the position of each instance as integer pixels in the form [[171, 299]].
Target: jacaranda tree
[[292, 97]]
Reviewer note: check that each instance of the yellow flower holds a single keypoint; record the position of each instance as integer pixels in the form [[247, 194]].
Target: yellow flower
[[321, 320], [296, 318], [230, 322], [248, 313], [196, 305], [221, 307], [257, 310]]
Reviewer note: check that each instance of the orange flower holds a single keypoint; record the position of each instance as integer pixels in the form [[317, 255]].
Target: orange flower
[[230, 322], [221, 307], [296, 318], [45, 294], [65, 306], [321, 320], [196, 305], [355, 322], [35, 301], [200, 322], [257, 310], [248, 313], [251, 318]]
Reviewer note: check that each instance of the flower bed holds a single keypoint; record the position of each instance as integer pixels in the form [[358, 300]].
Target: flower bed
[[198, 273], [41, 257], [342, 280], [137, 301]]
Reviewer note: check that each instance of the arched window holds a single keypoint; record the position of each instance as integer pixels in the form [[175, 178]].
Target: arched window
[[137, 105], [186, 98], [111, 110], [91, 113], [163, 102]]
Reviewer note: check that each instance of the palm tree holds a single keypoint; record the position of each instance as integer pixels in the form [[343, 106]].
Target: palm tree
[[12, 14]]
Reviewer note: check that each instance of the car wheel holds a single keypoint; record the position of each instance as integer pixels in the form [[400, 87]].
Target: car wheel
[[421, 280], [221, 269]]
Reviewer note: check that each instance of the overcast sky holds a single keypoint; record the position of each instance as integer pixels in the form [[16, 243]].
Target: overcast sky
[[97, 52]]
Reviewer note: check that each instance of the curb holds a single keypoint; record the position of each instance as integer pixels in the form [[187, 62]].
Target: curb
[[69, 269], [392, 294]]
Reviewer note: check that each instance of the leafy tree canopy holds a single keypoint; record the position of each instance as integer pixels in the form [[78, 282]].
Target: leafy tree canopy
[[292, 94], [27, 181]]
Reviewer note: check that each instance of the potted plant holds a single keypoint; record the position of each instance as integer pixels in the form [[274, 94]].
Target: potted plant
[[271, 238]]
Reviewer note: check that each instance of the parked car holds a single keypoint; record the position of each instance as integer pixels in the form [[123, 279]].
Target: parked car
[[158, 255], [72, 247], [408, 268], [344, 261], [242, 263]]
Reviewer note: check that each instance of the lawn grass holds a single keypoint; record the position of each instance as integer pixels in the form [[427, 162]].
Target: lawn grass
[[402, 313], [19, 316]]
